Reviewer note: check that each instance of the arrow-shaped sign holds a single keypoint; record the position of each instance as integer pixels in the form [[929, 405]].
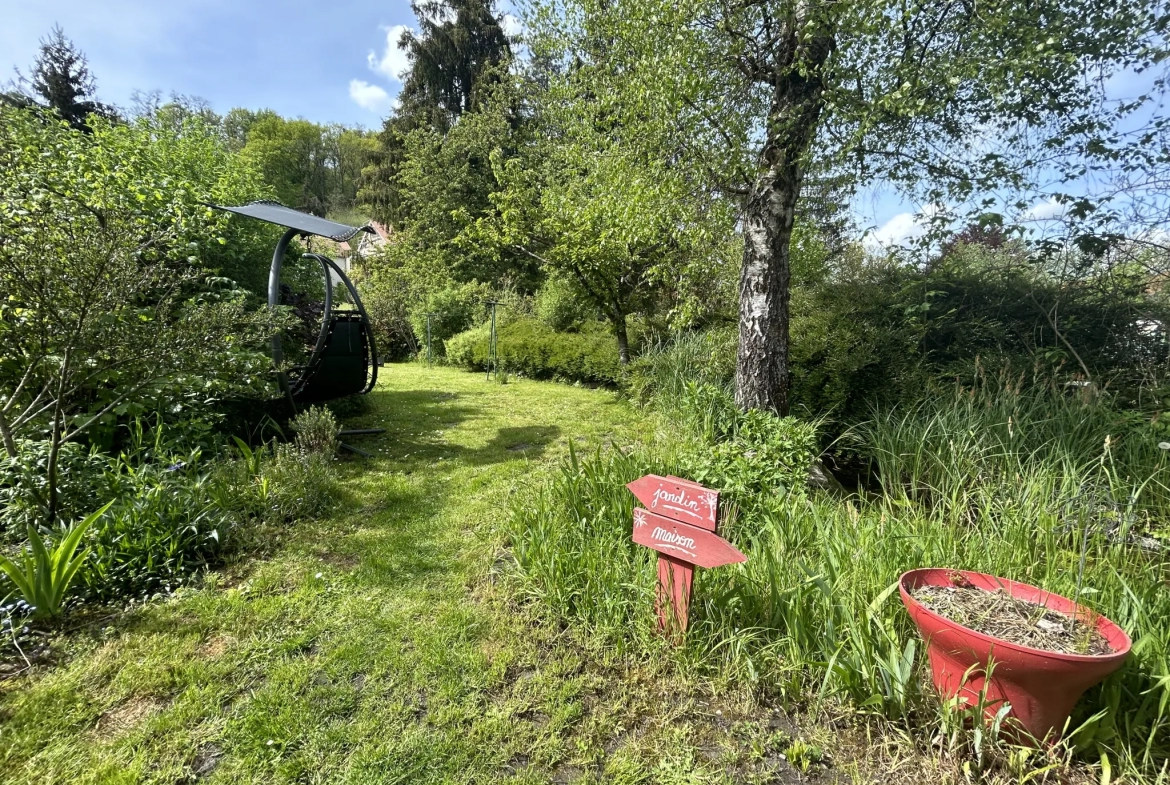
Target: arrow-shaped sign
[[682, 541], [679, 499]]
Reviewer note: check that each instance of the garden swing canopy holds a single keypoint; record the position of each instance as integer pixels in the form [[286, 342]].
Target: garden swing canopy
[[277, 213], [344, 360]]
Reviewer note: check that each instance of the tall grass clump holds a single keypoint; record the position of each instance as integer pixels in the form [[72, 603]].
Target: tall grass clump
[[662, 372], [1024, 485]]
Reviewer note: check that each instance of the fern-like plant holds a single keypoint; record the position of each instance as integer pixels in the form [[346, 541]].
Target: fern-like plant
[[42, 577]]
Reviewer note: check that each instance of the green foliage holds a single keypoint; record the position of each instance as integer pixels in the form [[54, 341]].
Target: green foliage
[[663, 372], [453, 308], [24, 488], [559, 304], [754, 453], [172, 514], [529, 348], [43, 576], [309, 166], [389, 288], [177, 515], [61, 79], [459, 53], [698, 98], [165, 523], [110, 309], [316, 431]]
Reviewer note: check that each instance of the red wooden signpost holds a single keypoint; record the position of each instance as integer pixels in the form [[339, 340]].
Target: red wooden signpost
[[679, 522]]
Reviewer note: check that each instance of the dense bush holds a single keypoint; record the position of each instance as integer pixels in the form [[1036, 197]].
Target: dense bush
[[875, 332], [759, 454], [530, 348], [453, 308], [387, 290], [559, 304]]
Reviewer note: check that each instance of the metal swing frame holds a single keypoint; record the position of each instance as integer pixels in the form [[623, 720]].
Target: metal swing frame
[[297, 223]]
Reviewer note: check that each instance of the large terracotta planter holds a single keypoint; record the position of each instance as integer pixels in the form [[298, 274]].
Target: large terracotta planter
[[1041, 686]]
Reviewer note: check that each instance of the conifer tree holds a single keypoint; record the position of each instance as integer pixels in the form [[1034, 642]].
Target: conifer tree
[[457, 44]]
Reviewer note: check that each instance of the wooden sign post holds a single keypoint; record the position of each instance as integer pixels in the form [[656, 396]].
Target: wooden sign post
[[679, 522]]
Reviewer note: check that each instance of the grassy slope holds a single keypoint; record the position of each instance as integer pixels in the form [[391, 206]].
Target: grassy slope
[[376, 646]]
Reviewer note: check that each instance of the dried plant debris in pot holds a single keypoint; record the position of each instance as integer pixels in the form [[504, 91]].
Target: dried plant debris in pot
[[1000, 615]]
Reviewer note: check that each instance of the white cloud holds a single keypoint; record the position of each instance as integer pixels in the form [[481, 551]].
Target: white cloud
[[904, 227], [1047, 210], [393, 60], [899, 230], [369, 96], [512, 25]]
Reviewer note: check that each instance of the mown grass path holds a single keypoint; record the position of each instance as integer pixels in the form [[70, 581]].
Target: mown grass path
[[370, 647]]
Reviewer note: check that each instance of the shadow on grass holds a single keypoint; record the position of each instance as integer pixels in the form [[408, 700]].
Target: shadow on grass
[[416, 421]]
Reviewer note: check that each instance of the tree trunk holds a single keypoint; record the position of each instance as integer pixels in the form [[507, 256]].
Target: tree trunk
[[55, 440], [761, 372], [6, 436], [623, 339]]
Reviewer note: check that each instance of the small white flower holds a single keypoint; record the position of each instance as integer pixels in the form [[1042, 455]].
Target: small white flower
[[1164, 445], [320, 574], [271, 742]]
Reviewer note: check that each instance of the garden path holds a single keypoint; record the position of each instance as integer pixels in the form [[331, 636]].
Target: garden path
[[377, 646]]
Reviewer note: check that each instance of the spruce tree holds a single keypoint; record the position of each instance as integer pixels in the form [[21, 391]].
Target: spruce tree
[[457, 44], [62, 80]]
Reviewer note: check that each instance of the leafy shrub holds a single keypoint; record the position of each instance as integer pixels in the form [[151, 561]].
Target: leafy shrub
[[530, 348], [24, 489], [173, 514], [761, 454], [163, 525], [316, 431], [559, 304], [453, 309], [387, 290]]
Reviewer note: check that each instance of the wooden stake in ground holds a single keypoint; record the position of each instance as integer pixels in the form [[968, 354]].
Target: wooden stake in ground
[[679, 522]]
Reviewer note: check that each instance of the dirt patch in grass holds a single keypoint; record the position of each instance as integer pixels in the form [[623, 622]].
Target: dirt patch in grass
[[341, 561], [1023, 623], [206, 760], [216, 646], [127, 716]]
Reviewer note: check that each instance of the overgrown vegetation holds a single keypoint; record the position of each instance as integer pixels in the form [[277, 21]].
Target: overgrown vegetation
[[131, 335], [652, 197], [988, 478]]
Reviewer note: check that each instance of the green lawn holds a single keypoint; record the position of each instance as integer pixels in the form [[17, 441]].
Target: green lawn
[[381, 645]]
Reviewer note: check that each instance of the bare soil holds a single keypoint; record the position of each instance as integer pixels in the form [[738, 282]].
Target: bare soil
[[1016, 621]]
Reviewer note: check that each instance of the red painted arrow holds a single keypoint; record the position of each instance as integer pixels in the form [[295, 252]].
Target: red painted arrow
[[679, 499], [683, 542]]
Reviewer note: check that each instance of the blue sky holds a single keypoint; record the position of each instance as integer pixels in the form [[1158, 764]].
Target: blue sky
[[322, 61]]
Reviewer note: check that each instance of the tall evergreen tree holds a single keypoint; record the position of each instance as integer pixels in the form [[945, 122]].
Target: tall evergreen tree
[[458, 44], [62, 80]]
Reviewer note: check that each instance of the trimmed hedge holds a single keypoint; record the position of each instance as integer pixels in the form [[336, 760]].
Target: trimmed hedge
[[528, 347]]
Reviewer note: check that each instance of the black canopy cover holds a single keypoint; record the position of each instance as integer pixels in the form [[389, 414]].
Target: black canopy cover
[[276, 213]]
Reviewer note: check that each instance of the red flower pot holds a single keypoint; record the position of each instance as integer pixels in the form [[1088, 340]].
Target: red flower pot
[[1041, 686]]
